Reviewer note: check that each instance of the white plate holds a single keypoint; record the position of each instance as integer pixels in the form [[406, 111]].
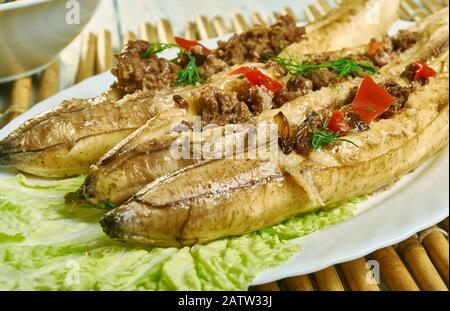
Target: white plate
[[417, 201]]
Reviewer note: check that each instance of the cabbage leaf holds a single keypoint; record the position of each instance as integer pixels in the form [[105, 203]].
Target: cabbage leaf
[[47, 245]]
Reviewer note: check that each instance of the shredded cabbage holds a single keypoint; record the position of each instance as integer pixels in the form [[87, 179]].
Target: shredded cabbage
[[47, 245]]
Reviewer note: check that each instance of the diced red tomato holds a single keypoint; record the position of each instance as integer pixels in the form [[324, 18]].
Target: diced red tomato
[[371, 100], [423, 71], [242, 70], [256, 77], [188, 44], [337, 123]]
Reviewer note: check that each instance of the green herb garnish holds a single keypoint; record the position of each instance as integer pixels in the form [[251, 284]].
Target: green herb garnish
[[324, 137], [105, 205], [155, 48], [341, 66], [189, 75]]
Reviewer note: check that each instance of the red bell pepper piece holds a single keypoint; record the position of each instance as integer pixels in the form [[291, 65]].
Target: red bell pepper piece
[[188, 44], [242, 70], [337, 123], [256, 77], [423, 71], [371, 100]]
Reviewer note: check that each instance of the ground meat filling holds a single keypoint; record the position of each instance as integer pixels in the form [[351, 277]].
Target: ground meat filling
[[301, 141], [401, 94], [303, 138], [295, 87], [220, 107], [402, 41], [257, 98], [253, 45], [134, 72], [322, 77]]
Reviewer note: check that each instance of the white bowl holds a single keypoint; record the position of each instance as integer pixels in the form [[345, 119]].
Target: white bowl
[[34, 32]]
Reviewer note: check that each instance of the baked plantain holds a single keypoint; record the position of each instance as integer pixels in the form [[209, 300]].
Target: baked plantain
[[64, 142], [232, 197], [142, 157]]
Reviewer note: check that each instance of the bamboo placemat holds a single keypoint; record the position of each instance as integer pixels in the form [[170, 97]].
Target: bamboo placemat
[[419, 263]]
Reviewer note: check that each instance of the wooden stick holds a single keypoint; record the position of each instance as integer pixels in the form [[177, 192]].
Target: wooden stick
[[165, 33], [410, 6], [191, 32], [328, 280], [219, 26], [20, 98], [205, 29], [403, 14], [257, 19], [312, 13], [323, 6], [128, 36], [417, 259], [432, 5], [358, 277], [239, 23], [288, 11], [393, 270], [268, 287], [436, 246], [49, 83], [444, 224], [86, 67], [104, 51], [273, 17], [148, 32], [298, 283]]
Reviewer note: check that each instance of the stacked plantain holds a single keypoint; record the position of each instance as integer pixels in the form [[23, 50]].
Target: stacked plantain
[[169, 201]]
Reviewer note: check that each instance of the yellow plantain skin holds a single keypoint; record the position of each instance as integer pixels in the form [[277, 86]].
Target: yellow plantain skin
[[64, 140], [360, 18], [142, 157], [70, 156], [232, 197], [113, 180]]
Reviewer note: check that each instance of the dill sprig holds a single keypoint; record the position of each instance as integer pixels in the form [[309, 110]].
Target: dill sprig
[[155, 48], [190, 74], [324, 137], [341, 66]]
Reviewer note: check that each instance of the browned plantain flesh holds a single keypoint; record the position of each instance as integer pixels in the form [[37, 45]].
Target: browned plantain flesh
[[142, 157], [57, 151]]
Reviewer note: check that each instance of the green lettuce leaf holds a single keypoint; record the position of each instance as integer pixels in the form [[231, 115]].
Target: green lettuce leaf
[[47, 245]]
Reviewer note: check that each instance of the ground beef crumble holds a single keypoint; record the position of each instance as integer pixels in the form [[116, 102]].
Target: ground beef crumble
[[301, 141], [259, 42], [295, 87], [303, 138], [404, 39], [220, 107], [136, 73], [401, 94]]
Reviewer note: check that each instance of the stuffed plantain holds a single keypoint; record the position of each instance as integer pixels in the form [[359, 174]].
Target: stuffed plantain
[[53, 144], [142, 157], [231, 197]]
